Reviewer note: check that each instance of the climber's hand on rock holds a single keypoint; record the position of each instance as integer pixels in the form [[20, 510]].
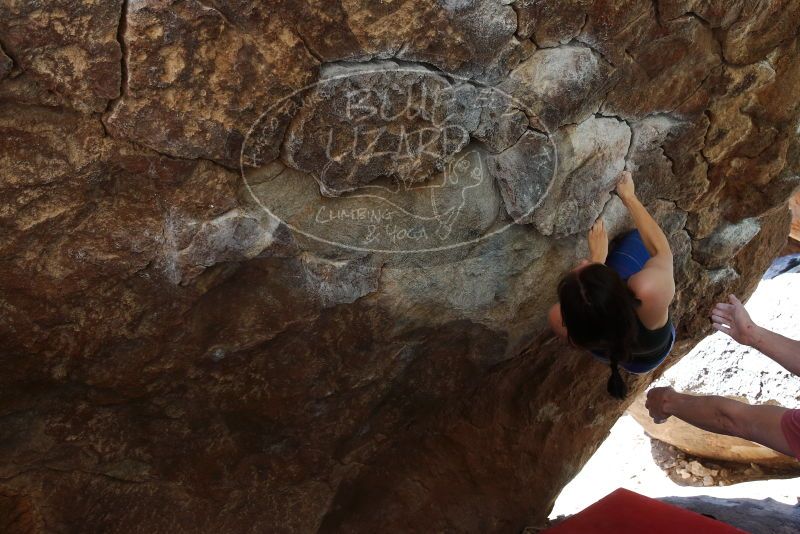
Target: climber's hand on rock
[[732, 319], [598, 242], [625, 188], [656, 399]]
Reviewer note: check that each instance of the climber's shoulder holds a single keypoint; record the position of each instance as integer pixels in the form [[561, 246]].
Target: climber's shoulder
[[654, 286], [556, 321]]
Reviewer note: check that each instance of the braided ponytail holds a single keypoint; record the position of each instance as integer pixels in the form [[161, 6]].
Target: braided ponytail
[[616, 386], [599, 312]]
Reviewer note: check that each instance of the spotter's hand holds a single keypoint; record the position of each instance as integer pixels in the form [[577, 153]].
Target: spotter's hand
[[655, 404], [733, 319]]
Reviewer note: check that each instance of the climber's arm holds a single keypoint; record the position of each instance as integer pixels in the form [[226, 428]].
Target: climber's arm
[[556, 321], [654, 285], [652, 235], [761, 424]]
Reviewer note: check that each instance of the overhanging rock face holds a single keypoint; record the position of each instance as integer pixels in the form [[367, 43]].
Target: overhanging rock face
[[284, 266]]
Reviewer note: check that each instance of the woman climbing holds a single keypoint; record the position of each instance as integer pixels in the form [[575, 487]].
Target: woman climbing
[[617, 305]]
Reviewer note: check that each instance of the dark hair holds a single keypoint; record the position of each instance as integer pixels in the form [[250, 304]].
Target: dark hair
[[599, 311]]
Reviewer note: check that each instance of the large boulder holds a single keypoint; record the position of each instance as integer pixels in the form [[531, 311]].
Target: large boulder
[[219, 314]]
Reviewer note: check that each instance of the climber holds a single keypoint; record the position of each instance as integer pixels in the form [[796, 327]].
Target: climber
[[617, 305], [772, 426]]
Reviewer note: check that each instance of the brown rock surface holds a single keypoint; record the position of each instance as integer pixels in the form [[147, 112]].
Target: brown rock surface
[[6, 63], [663, 69], [68, 48], [188, 348], [195, 80]]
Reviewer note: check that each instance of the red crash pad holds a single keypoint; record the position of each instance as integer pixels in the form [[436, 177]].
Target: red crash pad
[[626, 512]]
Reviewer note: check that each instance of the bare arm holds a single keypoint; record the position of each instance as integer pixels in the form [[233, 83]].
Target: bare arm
[[652, 235], [732, 318], [556, 322], [783, 350], [654, 285], [761, 424]]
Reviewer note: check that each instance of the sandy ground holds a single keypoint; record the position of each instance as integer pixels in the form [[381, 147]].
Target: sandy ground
[[625, 460], [628, 459]]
